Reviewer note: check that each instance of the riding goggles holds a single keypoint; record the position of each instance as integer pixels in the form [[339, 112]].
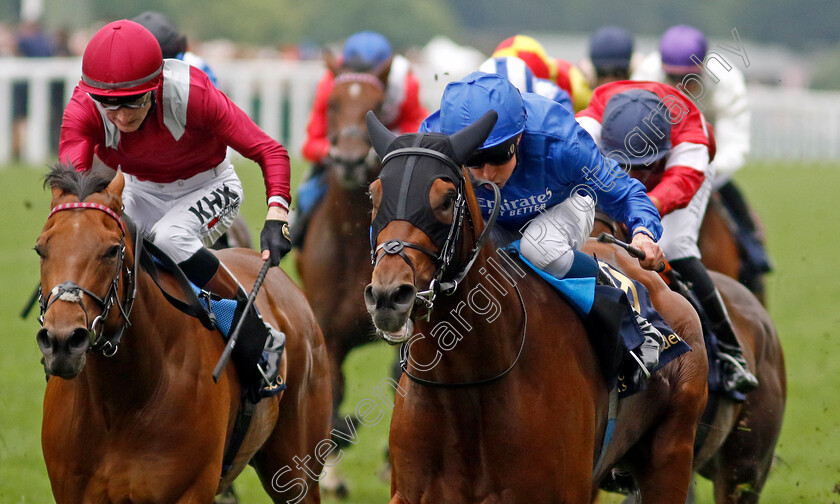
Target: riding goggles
[[130, 102], [496, 155]]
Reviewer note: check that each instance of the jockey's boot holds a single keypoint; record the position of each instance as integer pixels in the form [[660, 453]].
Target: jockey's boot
[[737, 376], [648, 351], [647, 354], [259, 347], [309, 194]]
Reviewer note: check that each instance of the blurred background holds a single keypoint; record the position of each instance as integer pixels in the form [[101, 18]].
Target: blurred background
[[267, 57], [267, 54]]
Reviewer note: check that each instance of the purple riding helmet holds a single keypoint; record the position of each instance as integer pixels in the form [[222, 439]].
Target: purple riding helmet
[[682, 47]]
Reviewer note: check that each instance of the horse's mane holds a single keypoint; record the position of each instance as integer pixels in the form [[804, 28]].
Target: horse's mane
[[80, 183]]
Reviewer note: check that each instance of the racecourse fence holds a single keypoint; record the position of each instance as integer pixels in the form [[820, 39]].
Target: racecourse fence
[[787, 124]]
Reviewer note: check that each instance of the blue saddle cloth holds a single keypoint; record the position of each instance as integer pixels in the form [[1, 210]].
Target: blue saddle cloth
[[580, 292]]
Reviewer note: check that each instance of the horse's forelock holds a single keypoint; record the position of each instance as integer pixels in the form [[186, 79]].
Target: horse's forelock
[[79, 183]]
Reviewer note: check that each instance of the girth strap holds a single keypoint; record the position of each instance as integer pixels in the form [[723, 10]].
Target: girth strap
[[240, 430]]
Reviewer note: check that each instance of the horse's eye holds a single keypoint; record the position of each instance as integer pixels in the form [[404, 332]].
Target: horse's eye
[[448, 202], [38, 251], [112, 252]]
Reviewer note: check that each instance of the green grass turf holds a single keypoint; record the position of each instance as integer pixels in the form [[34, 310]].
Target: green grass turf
[[796, 203]]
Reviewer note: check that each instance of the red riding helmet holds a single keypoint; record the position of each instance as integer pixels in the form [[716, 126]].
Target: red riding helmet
[[122, 59]]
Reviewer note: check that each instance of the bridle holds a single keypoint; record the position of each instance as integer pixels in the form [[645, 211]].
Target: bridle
[[444, 281], [72, 292]]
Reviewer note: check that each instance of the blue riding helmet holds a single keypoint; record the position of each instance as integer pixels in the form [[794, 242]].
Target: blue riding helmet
[[466, 100], [365, 51], [678, 45], [611, 48], [623, 114], [513, 69]]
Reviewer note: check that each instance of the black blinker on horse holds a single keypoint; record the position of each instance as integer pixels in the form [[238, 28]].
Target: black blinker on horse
[[426, 157]]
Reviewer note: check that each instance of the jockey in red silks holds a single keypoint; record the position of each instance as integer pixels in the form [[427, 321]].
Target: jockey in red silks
[[657, 133], [717, 86], [401, 112], [167, 127]]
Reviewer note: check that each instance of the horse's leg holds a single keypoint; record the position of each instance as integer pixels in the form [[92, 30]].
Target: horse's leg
[[745, 458], [667, 475], [291, 460], [289, 464]]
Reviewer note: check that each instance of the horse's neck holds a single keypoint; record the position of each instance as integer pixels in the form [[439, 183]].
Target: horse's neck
[[475, 333], [348, 204]]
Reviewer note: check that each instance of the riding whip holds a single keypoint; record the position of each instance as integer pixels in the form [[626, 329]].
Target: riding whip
[[223, 360]]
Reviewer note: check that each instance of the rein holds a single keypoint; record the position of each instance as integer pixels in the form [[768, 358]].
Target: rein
[[444, 260], [72, 292], [406, 348]]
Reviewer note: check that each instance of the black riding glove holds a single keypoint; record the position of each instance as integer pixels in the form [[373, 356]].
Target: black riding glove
[[275, 238]]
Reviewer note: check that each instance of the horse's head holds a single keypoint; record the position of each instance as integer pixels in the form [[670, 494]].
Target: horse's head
[[419, 236], [82, 249], [353, 95]]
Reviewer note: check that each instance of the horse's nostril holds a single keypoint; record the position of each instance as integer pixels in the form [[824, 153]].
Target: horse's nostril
[[404, 295], [78, 340], [43, 340], [370, 297]]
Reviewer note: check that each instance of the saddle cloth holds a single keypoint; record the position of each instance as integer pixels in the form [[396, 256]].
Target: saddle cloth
[[613, 349]]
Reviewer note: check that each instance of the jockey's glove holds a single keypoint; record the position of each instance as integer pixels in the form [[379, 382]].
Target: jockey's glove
[[275, 238]]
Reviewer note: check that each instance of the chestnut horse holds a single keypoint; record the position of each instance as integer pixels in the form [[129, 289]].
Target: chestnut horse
[[503, 398], [333, 263], [147, 423], [736, 440]]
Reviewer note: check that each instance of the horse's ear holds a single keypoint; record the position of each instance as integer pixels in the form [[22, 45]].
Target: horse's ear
[[466, 141], [331, 61], [115, 187], [382, 70], [57, 193], [380, 136]]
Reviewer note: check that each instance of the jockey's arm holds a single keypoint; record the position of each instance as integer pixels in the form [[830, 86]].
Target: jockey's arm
[[620, 196], [236, 129], [412, 112], [317, 145], [732, 124], [685, 170], [79, 129]]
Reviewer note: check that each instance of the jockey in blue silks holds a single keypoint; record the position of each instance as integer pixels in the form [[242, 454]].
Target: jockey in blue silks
[[551, 175]]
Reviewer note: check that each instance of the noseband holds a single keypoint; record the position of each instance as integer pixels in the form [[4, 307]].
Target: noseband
[[72, 292], [443, 258]]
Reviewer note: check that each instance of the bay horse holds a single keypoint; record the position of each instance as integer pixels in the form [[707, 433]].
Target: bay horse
[[719, 246], [502, 398], [736, 440], [333, 262], [147, 423]]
